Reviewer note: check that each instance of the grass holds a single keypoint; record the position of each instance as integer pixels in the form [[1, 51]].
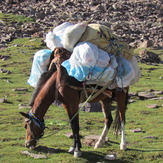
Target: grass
[[12, 19], [12, 133]]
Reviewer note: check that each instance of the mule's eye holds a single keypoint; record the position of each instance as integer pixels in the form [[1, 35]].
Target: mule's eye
[[26, 122]]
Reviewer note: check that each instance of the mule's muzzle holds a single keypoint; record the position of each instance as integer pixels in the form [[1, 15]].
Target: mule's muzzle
[[30, 144]]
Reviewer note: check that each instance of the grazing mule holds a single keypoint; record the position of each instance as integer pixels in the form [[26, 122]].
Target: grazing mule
[[56, 84]]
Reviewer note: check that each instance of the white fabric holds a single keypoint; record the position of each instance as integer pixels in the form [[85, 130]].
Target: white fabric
[[65, 35], [72, 34], [55, 38], [96, 66], [39, 66], [89, 62]]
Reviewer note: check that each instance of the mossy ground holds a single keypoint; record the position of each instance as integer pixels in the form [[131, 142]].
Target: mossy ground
[[12, 133]]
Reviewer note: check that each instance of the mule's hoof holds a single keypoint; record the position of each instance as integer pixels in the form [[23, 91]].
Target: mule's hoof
[[71, 150], [77, 153], [123, 146]]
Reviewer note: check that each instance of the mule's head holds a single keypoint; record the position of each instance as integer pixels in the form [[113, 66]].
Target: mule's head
[[34, 129], [61, 54]]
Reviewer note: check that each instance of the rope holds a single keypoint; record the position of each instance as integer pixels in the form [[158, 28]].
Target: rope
[[71, 118], [91, 96]]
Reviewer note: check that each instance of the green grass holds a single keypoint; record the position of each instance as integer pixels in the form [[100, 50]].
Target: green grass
[[12, 133], [11, 18]]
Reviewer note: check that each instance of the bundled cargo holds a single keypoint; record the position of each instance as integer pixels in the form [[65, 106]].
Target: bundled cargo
[[95, 66], [98, 56], [39, 66], [102, 37]]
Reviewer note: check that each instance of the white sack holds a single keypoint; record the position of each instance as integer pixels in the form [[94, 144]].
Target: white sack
[[55, 38], [72, 34]]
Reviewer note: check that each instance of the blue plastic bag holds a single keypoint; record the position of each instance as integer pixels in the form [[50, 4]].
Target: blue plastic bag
[[39, 66]]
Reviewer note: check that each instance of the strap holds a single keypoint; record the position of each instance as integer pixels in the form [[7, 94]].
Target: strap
[[37, 122]]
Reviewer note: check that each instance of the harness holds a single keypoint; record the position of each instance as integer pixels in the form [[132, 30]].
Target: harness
[[38, 123]]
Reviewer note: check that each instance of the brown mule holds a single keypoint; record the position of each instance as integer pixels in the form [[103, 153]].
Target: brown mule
[[56, 84]]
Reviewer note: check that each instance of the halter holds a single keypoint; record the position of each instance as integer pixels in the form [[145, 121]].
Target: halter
[[38, 123]]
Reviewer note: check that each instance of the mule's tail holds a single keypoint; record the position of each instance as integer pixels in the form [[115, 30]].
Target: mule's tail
[[117, 122]]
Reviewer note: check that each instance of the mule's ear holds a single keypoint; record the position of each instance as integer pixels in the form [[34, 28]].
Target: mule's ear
[[24, 114]]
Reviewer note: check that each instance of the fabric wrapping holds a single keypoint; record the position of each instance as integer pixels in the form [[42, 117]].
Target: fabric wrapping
[[103, 38], [39, 66]]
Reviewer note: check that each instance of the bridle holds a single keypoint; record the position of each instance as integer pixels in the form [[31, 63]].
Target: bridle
[[38, 123]]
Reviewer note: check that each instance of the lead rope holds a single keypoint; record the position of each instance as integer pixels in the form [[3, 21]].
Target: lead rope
[[83, 104], [89, 98]]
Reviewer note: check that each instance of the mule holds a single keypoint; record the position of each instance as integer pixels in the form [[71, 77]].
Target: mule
[[56, 84]]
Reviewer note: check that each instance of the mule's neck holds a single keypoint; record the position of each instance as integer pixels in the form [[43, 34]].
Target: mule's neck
[[45, 97]]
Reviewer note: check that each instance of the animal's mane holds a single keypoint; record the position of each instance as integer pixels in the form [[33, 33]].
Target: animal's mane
[[44, 77]]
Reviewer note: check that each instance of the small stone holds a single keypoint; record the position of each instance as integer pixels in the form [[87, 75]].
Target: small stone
[[36, 156], [2, 100], [131, 101], [8, 81], [152, 106], [137, 130], [157, 98], [145, 95], [6, 58], [150, 137], [22, 106], [133, 94], [91, 140], [110, 157], [69, 135], [20, 89], [145, 44], [158, 92]]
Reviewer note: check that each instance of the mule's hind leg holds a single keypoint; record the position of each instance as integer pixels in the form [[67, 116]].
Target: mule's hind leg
[[106, 104], [121, 97]]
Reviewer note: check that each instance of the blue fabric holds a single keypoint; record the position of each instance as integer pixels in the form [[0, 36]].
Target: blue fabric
[[124, 66], [39, 66]]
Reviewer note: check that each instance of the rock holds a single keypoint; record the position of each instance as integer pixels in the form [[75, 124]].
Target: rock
[[149, 57], [36, 156], [22, 106], [69, 135], [133, 94], [5, 71], [137, 130], [157, 98], [158, 92], [152, 106], [146, 95], [2, 100], [8, 81], [150, 137], [145, 44], [110, 157], [91, 107], [131, 101], [90, 140], [20, 89], [143, 24], [5, 57]]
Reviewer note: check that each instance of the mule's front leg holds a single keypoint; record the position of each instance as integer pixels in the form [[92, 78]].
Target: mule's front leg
[[77, 144]]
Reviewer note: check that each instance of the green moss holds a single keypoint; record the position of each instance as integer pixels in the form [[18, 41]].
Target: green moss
[[138, 115], [11, 18]]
